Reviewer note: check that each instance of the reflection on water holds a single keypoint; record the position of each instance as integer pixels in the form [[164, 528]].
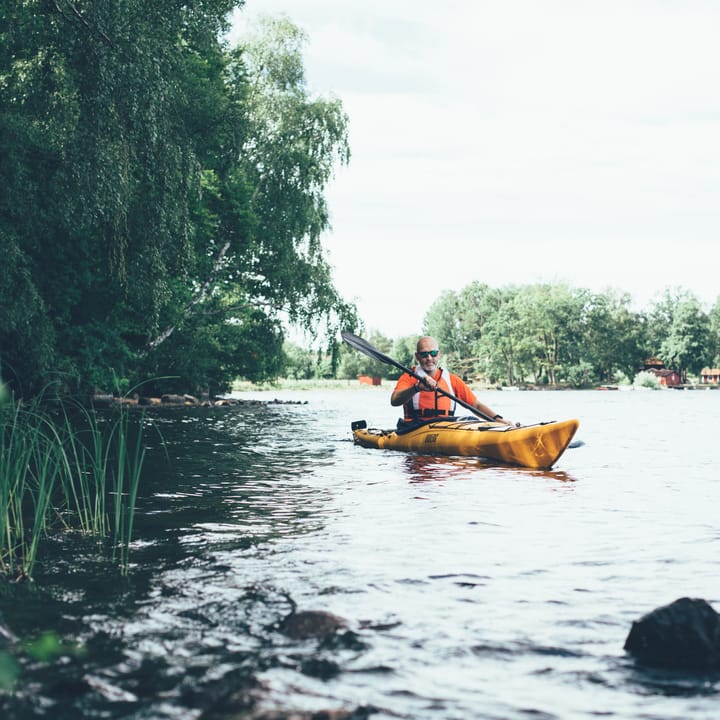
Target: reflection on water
[[426, 468], [469, 589]]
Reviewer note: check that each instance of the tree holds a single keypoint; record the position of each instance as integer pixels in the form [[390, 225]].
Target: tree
[[503, 348], [403, 351], [687, 345], [294, 142], [552, 317], [714, 340], [457, 321], [262, 211], [161, 197], [614, 336], [300, 362]]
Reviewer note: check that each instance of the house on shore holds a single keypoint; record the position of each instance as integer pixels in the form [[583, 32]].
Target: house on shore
[[666, 377], [710, 376]]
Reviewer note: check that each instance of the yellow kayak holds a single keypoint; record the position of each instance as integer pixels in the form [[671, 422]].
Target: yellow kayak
[[534, 446]]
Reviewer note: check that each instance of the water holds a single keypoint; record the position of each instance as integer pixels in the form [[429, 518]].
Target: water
[[470, 590]]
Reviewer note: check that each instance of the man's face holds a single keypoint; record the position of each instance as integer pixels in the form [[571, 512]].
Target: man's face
[[427, 362]]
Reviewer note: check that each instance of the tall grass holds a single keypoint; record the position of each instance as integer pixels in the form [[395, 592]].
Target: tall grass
[[64, 467]]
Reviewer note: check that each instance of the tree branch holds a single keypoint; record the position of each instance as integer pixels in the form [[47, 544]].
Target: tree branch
[[82, 19], [192, 305]]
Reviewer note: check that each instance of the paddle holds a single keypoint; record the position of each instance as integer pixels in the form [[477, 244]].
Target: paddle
[[366, 348]]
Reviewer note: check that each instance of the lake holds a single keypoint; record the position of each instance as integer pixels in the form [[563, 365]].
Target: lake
[[469, 590]]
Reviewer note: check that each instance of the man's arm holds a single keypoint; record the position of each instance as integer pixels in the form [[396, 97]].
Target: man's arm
[[404, 390]]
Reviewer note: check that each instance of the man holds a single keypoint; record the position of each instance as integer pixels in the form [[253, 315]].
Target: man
[[419, 397]]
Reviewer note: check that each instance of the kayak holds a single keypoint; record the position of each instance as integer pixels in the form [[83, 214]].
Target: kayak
[[533, 446]]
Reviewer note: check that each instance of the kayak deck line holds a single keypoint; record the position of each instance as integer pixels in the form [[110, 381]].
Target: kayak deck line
[[536, 446]]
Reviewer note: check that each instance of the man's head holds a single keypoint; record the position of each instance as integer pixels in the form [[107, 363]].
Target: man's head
[[427, 354]]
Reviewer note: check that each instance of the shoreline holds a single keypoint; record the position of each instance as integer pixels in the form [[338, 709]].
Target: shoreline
[[387, 385]]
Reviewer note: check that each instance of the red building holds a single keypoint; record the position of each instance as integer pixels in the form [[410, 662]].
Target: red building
[[710, 376], [367, 380], [667, 378]]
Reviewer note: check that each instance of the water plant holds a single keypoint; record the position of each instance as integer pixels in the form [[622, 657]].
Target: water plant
[[64, 466]]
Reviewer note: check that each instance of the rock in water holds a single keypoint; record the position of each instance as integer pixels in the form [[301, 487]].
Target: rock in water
[[311, 624], [684, 635]]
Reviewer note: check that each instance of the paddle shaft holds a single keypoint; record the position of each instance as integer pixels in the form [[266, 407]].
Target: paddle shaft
[[366, 348]]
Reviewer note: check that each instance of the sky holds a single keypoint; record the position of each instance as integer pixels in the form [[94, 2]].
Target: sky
[[512, 142]]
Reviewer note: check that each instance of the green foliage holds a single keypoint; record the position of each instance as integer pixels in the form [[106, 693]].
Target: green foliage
[[294, 143], [714, 339], [210, 352], [687, 345], [161, 195], [403, 350], [645, 379], [614, 336], [299, 363]]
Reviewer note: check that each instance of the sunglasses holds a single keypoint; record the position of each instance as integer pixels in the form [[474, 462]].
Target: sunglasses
[[425, 353]]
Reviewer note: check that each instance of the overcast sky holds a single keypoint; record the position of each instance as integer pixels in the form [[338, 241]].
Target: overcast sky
[[517, 141]]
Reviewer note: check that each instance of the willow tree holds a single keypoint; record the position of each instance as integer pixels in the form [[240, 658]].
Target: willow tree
[[293, 145], [262, 215], [160, 196]]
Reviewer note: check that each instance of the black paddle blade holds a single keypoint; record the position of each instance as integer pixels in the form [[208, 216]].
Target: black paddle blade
[[366, 348]]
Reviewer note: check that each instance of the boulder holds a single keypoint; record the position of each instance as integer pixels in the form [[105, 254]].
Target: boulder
[[684, 635]]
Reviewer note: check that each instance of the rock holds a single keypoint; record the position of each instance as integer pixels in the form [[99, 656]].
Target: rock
[[172, 399], [684, 635], [320, 668], [234, 692], [362, 712], [310, 624]]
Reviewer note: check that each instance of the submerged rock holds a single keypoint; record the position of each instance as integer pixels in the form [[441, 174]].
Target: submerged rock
[[684, 635], [311, 624], [320, 668], [363, 712]]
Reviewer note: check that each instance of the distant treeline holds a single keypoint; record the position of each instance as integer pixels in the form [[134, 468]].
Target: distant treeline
[[547, 334]]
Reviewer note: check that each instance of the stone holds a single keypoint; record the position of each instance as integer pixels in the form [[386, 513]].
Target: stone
[[311, 624], [684, 635]]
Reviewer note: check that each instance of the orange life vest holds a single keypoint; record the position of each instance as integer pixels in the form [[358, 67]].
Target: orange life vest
[[428, 403]]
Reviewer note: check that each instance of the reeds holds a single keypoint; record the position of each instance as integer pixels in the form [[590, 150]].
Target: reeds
[[63, 466]]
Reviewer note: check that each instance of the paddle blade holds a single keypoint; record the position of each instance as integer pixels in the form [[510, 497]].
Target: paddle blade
[[366, 348]]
